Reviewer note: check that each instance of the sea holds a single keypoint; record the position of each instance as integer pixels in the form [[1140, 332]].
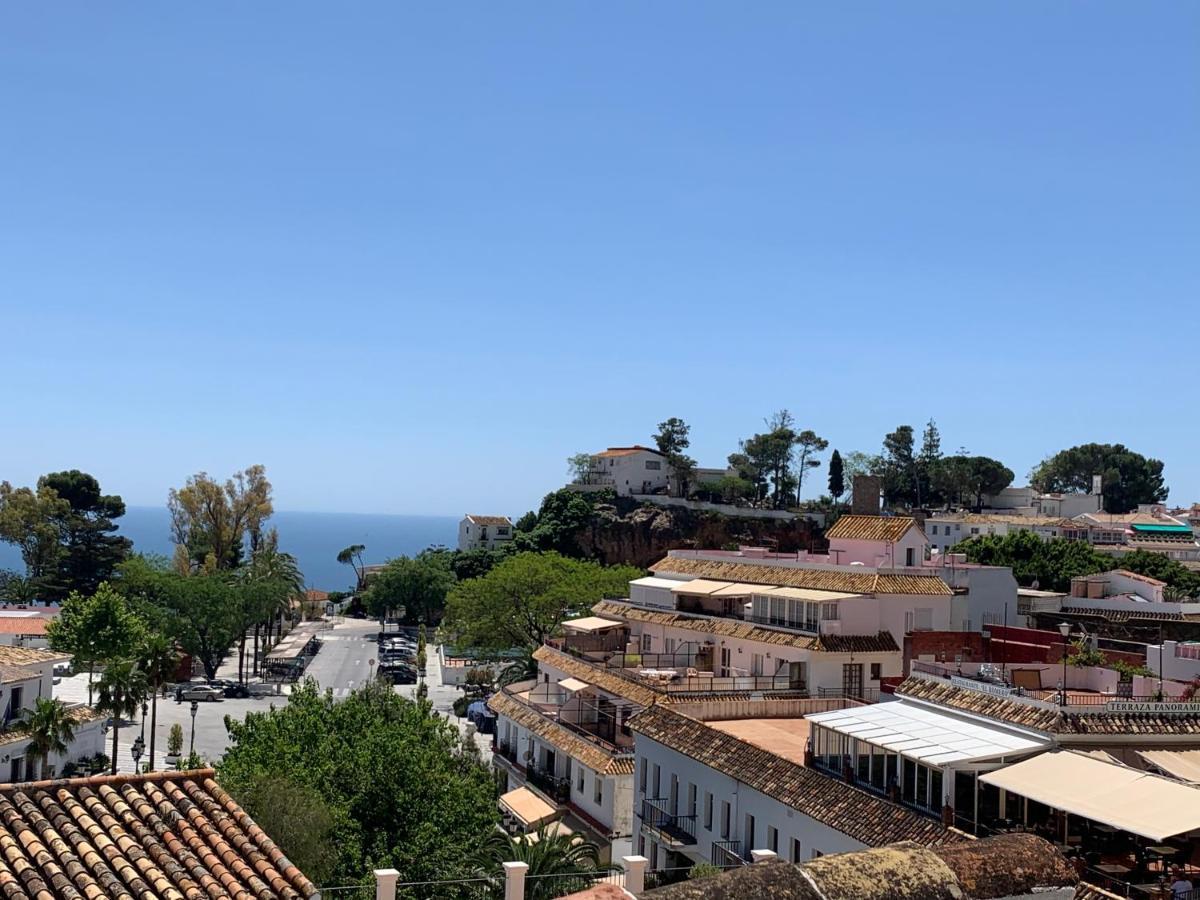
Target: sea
[[313, 538]]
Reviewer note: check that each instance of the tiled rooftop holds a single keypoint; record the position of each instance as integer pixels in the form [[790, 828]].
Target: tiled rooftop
[[25, 656], [865, 817], [592, 754], [870, 528], [489, 520], [883, 642], [168, 835], [784, 737], [18, 732], [868, 582], [605, 679]]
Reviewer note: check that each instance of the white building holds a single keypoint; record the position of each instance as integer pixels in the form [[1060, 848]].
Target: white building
[[484, 532], [948, 528], [713, 787], [25, 675], [628, 471], [24, 627]]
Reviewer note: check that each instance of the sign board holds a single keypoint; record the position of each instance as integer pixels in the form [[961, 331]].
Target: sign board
[[1176, 708]]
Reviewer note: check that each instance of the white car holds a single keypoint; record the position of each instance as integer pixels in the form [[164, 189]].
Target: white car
[[199, 692]]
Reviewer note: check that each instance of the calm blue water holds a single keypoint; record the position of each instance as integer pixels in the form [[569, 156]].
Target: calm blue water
[[313, 538]]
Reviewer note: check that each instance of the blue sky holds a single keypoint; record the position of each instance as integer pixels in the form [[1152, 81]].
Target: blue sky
[[412, 256]]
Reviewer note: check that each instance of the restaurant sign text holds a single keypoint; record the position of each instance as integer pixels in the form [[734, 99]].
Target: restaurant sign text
[[1149, 706]]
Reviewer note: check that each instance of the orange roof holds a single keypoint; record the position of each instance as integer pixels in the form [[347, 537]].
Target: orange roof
[[856, 582], [1135, 575], [162, 834], [315, 596], [490, 520], [628, 451], [23, 624], [871, 528]]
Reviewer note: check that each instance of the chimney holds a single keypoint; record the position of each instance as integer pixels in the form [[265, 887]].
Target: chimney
[[864, 499]]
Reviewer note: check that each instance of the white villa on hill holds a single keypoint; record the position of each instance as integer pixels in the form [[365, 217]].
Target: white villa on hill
[[484, 532]]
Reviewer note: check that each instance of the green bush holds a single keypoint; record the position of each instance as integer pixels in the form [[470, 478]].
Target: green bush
[[703, 870]]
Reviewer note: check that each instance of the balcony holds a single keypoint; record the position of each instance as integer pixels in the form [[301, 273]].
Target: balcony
[[506, 750], [866, 695], [727, 854], [557, 789], [672, 830]]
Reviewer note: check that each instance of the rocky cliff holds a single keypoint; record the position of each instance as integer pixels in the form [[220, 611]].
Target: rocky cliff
[[625, 531]]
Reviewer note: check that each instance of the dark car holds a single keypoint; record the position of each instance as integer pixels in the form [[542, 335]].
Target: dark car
[[235, 691]]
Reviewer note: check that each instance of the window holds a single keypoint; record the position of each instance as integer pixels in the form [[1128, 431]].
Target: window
[[691, 799], [657, 780], [642, 783], [598, 790], [502, 530], [877, 671], [653, 464], [580, 788], [909, 556], [724, 819], [669, 646], [974, 531], [933, 529], [817, 854], [794, 852], [750, 842], [707, 811], [756, 664], [772, 839], [646, 639], [829, 612]]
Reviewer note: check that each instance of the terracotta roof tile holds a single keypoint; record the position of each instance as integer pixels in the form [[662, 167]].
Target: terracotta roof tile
[[26, 656], [883, 642], [870, 528], [868, 582], [23, 625], [168, 835], [605, 679], [592, 755], [627, 451], [865, 817], [490, 520]]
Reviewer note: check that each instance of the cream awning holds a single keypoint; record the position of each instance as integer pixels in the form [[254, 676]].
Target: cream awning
[[573, 684], [737, 590], [592, 623], [1182, 764], [527, 806], [802, 593], [702, 586], [1128, 799]]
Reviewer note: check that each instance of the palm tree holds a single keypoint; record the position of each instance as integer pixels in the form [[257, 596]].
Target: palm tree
[[51, 730], [549, 852], [159, 663], [279, 569], [122, 689], [352, 556]]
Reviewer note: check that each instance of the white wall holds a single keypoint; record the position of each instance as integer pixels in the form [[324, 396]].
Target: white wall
[[845, 552], [1176, 668]]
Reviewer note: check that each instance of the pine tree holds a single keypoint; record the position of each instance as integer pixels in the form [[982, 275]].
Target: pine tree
[[837, 480]]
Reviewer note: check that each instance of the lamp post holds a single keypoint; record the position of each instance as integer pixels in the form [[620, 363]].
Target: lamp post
[[192, 745], [145, 709], [136, 752], [1064, 628]]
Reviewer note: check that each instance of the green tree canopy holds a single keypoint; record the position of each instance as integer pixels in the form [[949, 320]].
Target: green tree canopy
[[524, 599], [98, 628], [91, 549], [672, 439], [211, 521], [561, 517], [390, 773], [837, 476], [1128, 478], [416, 586], [32, 520], [1051, 564]]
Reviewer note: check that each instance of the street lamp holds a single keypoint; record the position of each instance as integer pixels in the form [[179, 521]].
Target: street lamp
[[192, 745], [136, 752], [145, 709], [1064, 628]]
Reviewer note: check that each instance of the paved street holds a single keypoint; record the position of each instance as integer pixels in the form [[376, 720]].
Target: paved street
[[343, 664]]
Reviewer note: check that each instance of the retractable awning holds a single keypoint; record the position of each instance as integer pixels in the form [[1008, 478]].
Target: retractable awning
[[701, 586], [1182, 764], [527, 806], [592, 624], [925, 734], [573, 684], [1127, 799]]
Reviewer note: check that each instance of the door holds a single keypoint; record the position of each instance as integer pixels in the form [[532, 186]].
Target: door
[[852, 679], [726, 662], [796, 679]]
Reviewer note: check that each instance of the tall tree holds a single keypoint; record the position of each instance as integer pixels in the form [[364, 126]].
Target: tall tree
[[769, 456], [389, 772], [672, 439], [416, 586], [122, 690], [524, 599], [91, 549], [579, 467], [211, 521], [32, 520], [927, 463], [100, 628], [837, 477], [1128, 478], [159, 661], [51, 730], [353, 556], [808, 445], [984, 476], [897, 467]]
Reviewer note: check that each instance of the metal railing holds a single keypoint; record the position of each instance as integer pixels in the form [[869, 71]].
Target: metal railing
[[677, 829], [808, 627], [727, 854], [867, 695], [558, 789]]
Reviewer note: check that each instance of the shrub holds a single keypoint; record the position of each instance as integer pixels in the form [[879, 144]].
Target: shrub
[[175, 740], [703, 870]]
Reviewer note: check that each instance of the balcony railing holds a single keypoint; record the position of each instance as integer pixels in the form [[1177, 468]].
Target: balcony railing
[[675, 829], [506, 749], [867, 695], [558, 789], [808, 627], [727, 854]]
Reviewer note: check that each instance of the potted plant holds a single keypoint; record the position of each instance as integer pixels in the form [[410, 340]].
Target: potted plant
[[174, 744]]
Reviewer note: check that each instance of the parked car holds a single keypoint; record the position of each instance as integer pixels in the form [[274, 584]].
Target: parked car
[[233, 690], [202, 692]]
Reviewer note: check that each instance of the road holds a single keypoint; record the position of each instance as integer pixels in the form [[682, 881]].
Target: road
[[343, 664]]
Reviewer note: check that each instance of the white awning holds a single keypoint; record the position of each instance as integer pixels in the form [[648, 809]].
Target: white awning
[[1128, 799], [592, 623], [802, 593], [925, 734], [527, 806], [737, 589], [573, 684], [654, 581], [703, 586], [1182, 764]]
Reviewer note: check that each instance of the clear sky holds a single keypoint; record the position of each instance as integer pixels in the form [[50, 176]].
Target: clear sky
[[411, 256]]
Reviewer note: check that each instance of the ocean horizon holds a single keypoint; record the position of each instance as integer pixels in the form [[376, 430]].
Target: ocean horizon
[[314, 538]]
